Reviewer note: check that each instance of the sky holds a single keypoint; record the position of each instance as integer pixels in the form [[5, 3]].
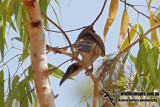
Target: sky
[[75, 14]]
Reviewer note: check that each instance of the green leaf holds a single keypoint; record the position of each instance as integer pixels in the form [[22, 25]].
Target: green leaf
[[25, 54], [19, 18], [43, 5], [135, 83], [4, 29], [15, 81], [2, 88], [30, 72], [57, 2], [17, 38], [158, 73], [12, 24], [130, 37], [144, 83], [23, 99], [121, 76], [57, 71], [14, 87], [28, 88], [10, 7], [10, 99], [1, 43], [125, 57], [1, 22], [143, 51], [133, 59], [140, 30], [141, 62], [153, 62], [1, 8], [35, 100], [88, 105], [150, 86], [139, 66], [56, 16], [150, 1]]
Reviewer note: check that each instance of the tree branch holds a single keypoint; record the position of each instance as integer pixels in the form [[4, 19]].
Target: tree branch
[[134, 8], [67, 31], [99, 13], [60, 30], [38, 55]]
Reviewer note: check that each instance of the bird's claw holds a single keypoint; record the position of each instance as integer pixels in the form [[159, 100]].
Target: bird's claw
[[89, 70], [73, 58]]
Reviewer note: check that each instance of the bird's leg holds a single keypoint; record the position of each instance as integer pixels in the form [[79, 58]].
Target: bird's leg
[[89, 70], [75, 55]]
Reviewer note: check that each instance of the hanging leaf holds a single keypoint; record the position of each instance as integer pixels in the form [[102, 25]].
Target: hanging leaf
[[2, 88], [88, 105], [150, 1], [124, 27], [135, 83], [1, 43], [43, 6], [111, 16], [153, 62], [131, 35], [56, 16], [19, 18], [152, 24], [139, 67], [140, 30], [57, 73], [57, 2]]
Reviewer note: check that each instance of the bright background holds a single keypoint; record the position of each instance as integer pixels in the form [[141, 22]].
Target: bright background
[[75, 14]]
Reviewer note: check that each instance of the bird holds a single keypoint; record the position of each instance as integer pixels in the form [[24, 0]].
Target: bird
[[90, 46]]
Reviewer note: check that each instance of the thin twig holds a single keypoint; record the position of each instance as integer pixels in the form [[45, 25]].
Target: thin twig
[[60, 30], [125, 5], [61, 47], [99, 13], [10, 60], [135, 9], [54, 68], [66, 31], [147, 6]]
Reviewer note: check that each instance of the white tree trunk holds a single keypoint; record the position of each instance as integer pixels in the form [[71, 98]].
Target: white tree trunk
[[38, 55]]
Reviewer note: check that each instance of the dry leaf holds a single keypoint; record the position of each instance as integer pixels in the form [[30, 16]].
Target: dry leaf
[[152, 24], [111, 16], [124, 27]]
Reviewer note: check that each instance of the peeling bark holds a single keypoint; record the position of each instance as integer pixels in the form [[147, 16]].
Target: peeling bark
[[38, 55]]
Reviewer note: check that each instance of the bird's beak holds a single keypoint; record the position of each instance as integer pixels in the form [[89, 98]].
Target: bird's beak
[[65, 77]]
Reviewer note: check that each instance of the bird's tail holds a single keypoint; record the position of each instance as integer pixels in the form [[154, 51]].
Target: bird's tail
[[72, 70]]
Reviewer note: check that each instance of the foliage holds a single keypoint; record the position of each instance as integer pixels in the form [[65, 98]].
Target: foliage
[[20, 91]]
